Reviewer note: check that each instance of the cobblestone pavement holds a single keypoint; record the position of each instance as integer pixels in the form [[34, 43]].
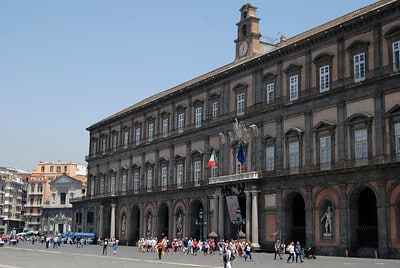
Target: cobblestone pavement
[[26, 255]]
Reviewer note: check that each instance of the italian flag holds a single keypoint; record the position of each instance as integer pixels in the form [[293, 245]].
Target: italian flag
[[213, 159]]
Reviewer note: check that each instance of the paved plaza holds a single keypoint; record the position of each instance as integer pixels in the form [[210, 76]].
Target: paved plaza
[[32, 256]]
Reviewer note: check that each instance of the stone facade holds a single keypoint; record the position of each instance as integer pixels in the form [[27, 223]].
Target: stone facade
[[318, 118]]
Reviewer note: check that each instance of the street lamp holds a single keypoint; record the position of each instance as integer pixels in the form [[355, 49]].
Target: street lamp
[[201, 222], [238, 221]]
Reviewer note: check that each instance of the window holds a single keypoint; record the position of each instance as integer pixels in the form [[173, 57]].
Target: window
[[126, 139], [397, 139], [151, 131], [51, 168], [324, 80], [112, 189], [124, 183], [65, 168], [215, 110], [164, 173], [198, 116], [181, 122], [270, 92], [58, 168], [165, 127], [114, 142], [361, 145], [90, 217], [136, 181], [325, 151], [63, 198], [294, 156], [396, 56], [102, 184], [94, 148], [294, 87], [359, 67], [103, 144], [270, 158], [137, 135], [31, 202], [32, 188], [40, 187], [197, 173], [92, 187], [149, 179], [179, 175], [240, 103]]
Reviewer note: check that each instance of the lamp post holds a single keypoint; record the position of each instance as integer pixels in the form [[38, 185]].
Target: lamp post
[[201, 222], [238, 222]]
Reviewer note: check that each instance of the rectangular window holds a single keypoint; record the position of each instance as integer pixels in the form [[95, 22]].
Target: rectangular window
[[126, 139], [32, 188], [136, 182], [165, 127], [396, 56], [179, 175], [92, 187], [198, 117], [103, 145], [197, 173], [294, 87], [137, 135], [94, 149], [102, 186], [359, 67], [124, 183], [151, 131], [113, 184], [270, 93], [215, 110], [325, 151], [294, 156], [181, 122], [114, 142], [149, 180], [63, 198], [240, 103], [324, 80], [361, 145], [397, 139], [164, 173], [90, 217], [270, 158]]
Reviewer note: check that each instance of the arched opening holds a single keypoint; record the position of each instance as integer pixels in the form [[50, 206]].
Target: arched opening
[[163, 221], [134, 230], [295, 219], [367, 229]]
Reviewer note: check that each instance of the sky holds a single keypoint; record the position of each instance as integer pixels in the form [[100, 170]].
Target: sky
[[67, 64]]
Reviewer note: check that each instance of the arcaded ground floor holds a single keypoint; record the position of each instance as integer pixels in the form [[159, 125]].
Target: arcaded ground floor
[[348, 212]]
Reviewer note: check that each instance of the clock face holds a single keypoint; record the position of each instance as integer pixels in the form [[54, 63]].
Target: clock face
[[243, 49]]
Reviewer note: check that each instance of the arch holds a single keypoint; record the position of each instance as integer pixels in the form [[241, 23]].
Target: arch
[[324, 124], [163, 221], [363, 223], [134, 225], [198, 215], [323, 57], [294, 217], [359, 116]]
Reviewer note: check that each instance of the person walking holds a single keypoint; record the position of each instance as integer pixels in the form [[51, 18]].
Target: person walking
[[278, 250], [115, 245], [105, 245], [290, 250], [247, 250], [160, 247], [298, 252]]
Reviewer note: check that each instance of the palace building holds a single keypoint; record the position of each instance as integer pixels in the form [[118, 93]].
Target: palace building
[[303, 134]]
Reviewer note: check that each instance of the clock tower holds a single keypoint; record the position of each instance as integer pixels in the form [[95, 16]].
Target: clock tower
[[248, 35]]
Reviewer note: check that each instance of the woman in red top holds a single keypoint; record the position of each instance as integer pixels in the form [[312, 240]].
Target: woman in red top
[[160, 247]]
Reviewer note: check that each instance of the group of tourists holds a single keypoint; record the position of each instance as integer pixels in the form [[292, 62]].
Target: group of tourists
[[294, 251]]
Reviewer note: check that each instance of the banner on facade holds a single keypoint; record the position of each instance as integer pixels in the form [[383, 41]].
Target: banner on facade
[[233, 204]]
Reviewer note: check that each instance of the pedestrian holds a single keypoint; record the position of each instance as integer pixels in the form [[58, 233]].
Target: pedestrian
[[229, 257], [160, 247], [105, 245], [114, 245], [278, 249], [247, 250], [290, 250], [298, 251]]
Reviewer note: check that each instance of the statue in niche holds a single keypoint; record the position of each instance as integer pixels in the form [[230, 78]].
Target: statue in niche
[[149, 223], [328, 217], [179, 223], [123, 223]]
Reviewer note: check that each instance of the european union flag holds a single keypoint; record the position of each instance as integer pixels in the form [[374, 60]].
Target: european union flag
[[240, 156]]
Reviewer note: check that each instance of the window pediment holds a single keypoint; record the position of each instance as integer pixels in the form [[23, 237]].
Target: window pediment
[[180, 108], [136, 165], [294, 132], [292, 68], [163, 159], [394, 110], [323, 57], [179, 156], [149, 163], [214, 96], [358, 45], [324, 125], [196, 153], [359, 117], [393, 32], [198, 102], [240, 87], [269, 76]]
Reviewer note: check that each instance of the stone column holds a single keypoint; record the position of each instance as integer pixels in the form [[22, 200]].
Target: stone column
[[248, 215], [254, 222], [221, 216], [101, 223], [214, 209], [112, 225]]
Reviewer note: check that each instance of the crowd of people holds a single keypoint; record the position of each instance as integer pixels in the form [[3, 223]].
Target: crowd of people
[[294, 251]]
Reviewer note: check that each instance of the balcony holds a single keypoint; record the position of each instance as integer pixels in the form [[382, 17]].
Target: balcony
[[253, 175]]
